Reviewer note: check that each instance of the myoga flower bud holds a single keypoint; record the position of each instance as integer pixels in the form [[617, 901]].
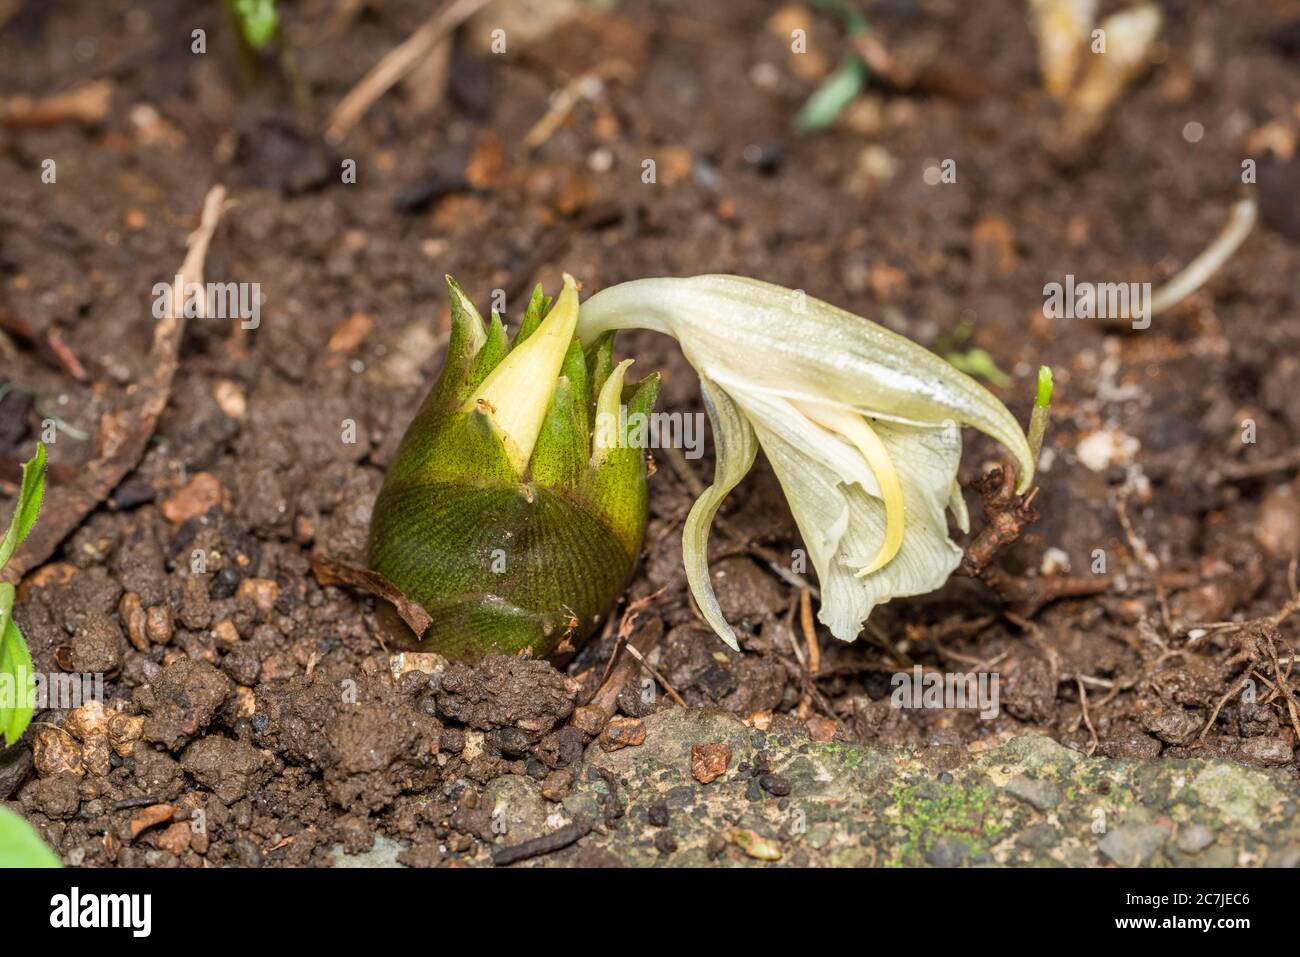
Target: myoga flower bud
[[502, 514]]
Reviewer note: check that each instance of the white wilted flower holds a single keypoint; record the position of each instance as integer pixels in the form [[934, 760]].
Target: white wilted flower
[[861, 426]]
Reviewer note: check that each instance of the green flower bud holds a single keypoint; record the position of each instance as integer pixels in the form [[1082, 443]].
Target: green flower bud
[[501, 514]]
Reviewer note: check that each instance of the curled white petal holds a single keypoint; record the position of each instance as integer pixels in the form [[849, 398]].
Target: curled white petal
[[736, 449], [842, 518]]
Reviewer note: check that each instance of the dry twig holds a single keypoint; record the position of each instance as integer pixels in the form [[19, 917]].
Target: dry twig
[[87, 104], [124, 434], [396, 64]]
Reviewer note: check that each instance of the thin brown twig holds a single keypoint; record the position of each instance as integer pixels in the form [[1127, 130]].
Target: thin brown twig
[[124, 434], [813, 663], [583, 86], [397, 63], [809, 633], [1148, 561], [1087, 720], [1243, 471], [1214, 715], [49, 345], [654, 673], [87, 104]]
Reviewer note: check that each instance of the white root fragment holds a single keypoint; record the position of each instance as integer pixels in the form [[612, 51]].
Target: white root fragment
[[1198, 272]]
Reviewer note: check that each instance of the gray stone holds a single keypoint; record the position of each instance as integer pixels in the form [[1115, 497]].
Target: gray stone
[[382, 854], [948, 852], [1043, 795], [1129, 845], [1195, 838], [15, 762]]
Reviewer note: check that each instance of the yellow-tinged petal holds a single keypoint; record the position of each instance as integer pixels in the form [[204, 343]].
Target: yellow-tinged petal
[[607, 435], [517, 393], [856, 429]]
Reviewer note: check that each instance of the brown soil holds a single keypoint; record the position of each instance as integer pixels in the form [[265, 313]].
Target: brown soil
[[252, 694]]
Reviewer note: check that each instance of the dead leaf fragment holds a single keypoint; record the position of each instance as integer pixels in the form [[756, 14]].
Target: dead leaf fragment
[[150, 816], [331, 572]]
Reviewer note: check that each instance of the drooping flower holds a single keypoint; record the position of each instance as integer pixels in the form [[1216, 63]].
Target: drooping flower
[[862, 427]]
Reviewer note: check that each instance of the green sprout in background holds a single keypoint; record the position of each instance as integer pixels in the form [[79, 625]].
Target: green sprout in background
[[257, 20], [257, 27], [20, 845], [17, 681], [840, 88], [974, 361]]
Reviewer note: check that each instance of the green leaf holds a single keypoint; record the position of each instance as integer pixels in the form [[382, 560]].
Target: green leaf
[[20, 845], [560, 457], [17, 679], [28, 507], [836, 92]]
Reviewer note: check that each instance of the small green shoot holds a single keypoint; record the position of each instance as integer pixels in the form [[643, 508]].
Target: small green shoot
[[17, 681], [836, 92], [974, 361], [1042, 410], [978, 363], [258, 21], [840, 88]]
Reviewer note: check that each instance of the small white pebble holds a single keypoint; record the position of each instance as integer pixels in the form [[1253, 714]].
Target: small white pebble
[[1055, 562]]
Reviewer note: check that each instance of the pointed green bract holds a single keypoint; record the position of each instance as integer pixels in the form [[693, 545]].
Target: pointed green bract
[[538, 304], [489, 357], [560, 455], [617, 483], [464, 343]]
